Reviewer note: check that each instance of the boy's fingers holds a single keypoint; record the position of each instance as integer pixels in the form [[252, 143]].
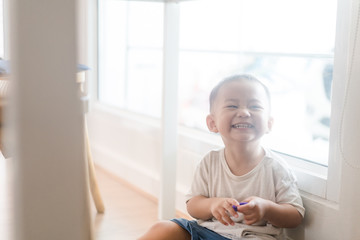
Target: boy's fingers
[[235, 210], [218, 216], [231, 207], [252, 204], [250, 219], [232, 210], [247, 207], [224, 219], [228, 220]]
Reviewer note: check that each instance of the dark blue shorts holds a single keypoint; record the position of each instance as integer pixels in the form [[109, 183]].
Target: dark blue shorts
[[196, 231]]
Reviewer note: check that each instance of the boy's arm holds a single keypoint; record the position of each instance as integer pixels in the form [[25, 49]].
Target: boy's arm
[[279, 215], [205, 208], [283, 215]]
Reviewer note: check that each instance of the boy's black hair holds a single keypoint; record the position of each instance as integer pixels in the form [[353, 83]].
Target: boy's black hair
[[232, 78]]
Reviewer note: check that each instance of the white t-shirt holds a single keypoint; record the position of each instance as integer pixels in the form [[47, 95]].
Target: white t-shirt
[[271, 179]]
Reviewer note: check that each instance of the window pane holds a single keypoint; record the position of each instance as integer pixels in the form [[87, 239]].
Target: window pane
[[112, 51], [130, 55], [144, 86], [270, 39], [259, 25], [273, 41]]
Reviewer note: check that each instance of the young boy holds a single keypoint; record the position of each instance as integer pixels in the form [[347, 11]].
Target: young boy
[[243, 190]]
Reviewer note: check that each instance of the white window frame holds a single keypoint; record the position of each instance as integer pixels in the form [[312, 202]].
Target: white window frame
[[315, 179]]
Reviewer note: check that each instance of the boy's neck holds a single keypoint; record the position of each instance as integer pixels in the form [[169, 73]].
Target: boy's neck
[[242, 159]]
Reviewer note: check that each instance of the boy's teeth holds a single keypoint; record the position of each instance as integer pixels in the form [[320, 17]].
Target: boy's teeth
[[242, 125]]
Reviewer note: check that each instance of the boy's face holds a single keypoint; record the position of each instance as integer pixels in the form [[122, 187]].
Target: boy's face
[[240, 112]]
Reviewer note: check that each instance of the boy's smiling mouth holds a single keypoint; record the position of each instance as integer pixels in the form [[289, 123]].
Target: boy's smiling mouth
[[242, 125]]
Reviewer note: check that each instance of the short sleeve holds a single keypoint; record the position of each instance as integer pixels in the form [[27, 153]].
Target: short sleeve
[[199, 185], [286, 188]]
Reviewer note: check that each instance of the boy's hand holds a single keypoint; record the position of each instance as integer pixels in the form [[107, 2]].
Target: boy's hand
[[221, 209], [255, 210]]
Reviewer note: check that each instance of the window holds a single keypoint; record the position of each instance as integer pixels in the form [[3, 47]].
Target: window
[[290, 48], [291, 53], [130, 55]]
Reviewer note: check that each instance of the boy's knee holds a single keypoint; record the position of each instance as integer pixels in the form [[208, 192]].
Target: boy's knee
[[167, 227], [165, 230]]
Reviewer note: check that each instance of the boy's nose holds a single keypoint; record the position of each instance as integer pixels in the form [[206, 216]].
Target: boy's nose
[[243, 112]]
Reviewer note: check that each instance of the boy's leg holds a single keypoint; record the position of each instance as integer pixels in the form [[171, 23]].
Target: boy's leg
[[166, 230]]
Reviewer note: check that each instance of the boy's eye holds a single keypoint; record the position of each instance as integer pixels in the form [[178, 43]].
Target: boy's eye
[[256, 107], [231, 106]]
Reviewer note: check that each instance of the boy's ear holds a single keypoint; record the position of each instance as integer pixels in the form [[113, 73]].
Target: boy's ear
[[211, 123], [270, 123]]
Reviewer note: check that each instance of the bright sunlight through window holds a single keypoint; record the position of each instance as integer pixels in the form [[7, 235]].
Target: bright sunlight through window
[[287, 44]]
